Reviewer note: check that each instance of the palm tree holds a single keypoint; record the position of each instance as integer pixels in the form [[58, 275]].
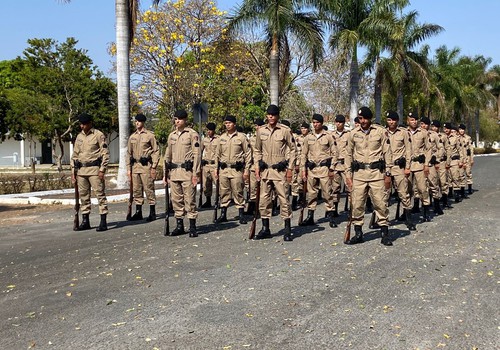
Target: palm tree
[[279, 19], [495, 87]]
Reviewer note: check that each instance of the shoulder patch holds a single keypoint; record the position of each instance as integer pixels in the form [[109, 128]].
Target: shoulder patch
[[197, 144], [104, 145]]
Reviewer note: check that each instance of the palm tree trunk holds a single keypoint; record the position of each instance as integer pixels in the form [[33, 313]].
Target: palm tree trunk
[[400, 103], [377, 94], [477, 127], [123, 85], [274, 72], [354, 86]]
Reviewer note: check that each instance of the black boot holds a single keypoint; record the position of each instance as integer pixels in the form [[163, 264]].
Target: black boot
[[335, 212], [463, 194], [402, 217], [358, 236], [426, 217], [208, 203], [251, 208], [470, 188], [192, 228], [409, 222], [446, 204], [416, 206], [179, 229], [264, 232], [138, 213], [369, 205], [373, 222], [437, 207], [386, 240], [287, 237], [223, 216], [457, 196], [241, 212], [309, 221], [152, 213], [103, 226], [85, 225], [295, 203], [331, 219], [451, 192]]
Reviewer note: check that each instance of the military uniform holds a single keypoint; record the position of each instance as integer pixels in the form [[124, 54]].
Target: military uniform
[[368, 162], [183, 163], [469, 160], [209, 146], [457, 157], [90, 157], [341, 138], [143, 154]]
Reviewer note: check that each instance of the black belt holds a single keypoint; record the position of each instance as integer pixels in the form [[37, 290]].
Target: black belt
[[206, 162], [380, 164], [96, 162], [420, 159], [188, 165], [455, 157], [341, 161], [238, 165], [312, 165]]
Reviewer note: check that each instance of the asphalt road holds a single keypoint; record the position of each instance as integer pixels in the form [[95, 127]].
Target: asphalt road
[[133, 288]]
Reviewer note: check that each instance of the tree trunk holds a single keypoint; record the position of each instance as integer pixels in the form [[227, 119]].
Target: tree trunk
[[377, 93], [274, 72], [400, 103], [123, 85], [477, 127], [353, 86], [498, 108]]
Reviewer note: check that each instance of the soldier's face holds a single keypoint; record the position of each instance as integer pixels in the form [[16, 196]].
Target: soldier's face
[[318, 127], [365, 122], [272, 119], [434, 128], [340, 125], [412, 123], [210, 133], [447, 131], [424, 126], [86, 127], [392, 123], [180, 123], [230, 126], [461, 132], [139, 125], [304, 131]]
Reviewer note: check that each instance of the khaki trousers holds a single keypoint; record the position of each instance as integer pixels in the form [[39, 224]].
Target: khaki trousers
[[183, 195], [85, 183], [376, 190], [143, 183]]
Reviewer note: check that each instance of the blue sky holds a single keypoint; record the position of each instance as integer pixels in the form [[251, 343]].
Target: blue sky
[[468, 24]]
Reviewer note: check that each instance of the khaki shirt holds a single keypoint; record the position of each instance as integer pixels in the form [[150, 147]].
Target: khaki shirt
[[446, 150], [299, 142], [317, 149], [341, 138], [437, 147], [469, 147], [420, 145], [400, 148], [456, 149], [366, 148], [142, 144], [182, 146], [209, 147], [89, 148], [273, 146], [233, 148]]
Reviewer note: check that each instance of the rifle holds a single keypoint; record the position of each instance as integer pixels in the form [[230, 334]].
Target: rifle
[[347, 234], [166, 228], [303, 205], [256, 213], [200, 199], [76, 219], [131, 193], [373, 220], [217, 200], [346, 205]]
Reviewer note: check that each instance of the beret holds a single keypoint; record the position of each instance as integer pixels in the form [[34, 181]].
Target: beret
[[180, 114], [365, 112], [436, 123], [273, 110], [317, 117], [356, 120], [305, 125], [211, 126], [230, 118], [425, 120], [462, 126], [392, 115], [412, 115], [285, 122], [448, 125], [140, 117], [340, 118], [84, 118], [258, 122]]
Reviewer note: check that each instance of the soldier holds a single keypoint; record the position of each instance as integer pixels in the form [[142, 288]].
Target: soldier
[[143, 155], [274, 141], [253, 181], [90, 158], [368, 165], [444, 158], [209, 146], [317, 163], [421, 156], [341, 136], [437, 149], [401, 156], [183, 164], [233, 160], [469, 160], [297, 179], [457, 160]]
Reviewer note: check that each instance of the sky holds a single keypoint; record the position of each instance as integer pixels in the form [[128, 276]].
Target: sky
[[468, 24]]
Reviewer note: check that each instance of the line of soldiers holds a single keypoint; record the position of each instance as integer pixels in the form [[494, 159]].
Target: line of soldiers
[[418, 161]]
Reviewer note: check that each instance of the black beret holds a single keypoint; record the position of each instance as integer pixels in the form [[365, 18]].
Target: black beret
[[392, 115], [412, 115], [318, 117], [305, 125], [258, 122], [285, 122], [356, 120], [140, 117], [230, 118], [239, 128], [425, 120], [340, 118], [462, 126], [448, 125], [365, 112], [180, 114], [84, 118], [436, 123], [455, 127], [211, 126], [273, 110]]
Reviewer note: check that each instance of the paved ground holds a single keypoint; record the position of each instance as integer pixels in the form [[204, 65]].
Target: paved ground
[[132, 288]]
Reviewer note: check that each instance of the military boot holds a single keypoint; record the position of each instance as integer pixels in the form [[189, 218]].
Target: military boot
[[152, 213], [457, 196], [179, 229], [409, 222], [223, 216], [451, 192], [446, 204], [416, 206], [138, 213], [358, 236], [208, 203], [463, 194], [288, 237], [331, 219], [335, 212], [470, 188], [437, 207], [103, 226], [402, 217], [264, 232], [386, 240], [426, 217], [295, 203], [309, 221], [85, 225], [251, 208], [192, 228], [241, 214]]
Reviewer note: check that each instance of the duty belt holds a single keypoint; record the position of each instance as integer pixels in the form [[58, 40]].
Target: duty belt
[[238, 165], [457, 157], [206, 162], [188, 165], [312, 165], [420, 159], [380, 164], [340, 161], [96, 162]]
